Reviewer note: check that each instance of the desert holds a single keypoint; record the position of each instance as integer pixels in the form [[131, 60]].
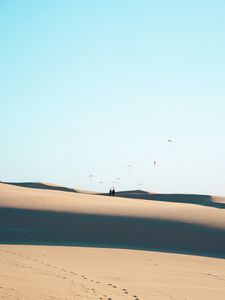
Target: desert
[[75, 245]]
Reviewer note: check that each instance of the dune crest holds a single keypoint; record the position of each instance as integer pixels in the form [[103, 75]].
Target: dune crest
[[41, 185], [206, 200]]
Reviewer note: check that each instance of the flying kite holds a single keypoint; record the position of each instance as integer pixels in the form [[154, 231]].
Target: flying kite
[[128, 167]]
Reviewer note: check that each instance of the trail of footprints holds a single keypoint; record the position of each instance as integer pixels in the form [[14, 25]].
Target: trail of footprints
[[65, 272]]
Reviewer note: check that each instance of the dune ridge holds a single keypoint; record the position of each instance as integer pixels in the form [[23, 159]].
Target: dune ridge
[[41, 185], [206, 200]]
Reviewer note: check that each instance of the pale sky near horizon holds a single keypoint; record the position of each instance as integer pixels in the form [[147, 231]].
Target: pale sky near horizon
[[88, 87]]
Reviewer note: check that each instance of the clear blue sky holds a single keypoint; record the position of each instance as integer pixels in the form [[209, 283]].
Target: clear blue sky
[[88, 87]]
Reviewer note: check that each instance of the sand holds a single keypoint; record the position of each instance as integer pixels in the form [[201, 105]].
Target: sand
[[63, 245], [47, 272]]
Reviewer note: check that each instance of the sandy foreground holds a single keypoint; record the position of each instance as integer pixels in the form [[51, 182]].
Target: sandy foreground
[[45, 272], [41, 258]]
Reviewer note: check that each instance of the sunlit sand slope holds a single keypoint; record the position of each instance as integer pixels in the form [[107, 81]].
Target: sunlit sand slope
[[52, 272]]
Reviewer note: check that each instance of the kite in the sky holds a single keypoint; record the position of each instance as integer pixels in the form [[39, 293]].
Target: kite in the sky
[[128, 167]]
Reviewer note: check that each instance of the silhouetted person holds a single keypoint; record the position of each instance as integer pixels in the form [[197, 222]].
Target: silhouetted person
[[113, 192], [110, 192]]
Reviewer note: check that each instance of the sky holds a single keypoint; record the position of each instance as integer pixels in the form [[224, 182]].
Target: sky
[[89, 87]]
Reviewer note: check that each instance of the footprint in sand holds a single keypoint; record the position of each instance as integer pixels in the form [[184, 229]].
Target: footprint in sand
[[71, 281]]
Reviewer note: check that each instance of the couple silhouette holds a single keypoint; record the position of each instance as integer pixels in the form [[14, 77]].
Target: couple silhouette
[[112, 192]]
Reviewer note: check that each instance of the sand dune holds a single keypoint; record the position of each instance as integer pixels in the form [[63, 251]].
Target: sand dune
[[45, 217], [205, 200], [45, 272], [41, 185], [49, 186]]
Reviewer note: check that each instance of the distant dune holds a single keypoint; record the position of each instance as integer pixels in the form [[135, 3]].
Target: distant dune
[[49, 186], [41, 185], [206, 200]]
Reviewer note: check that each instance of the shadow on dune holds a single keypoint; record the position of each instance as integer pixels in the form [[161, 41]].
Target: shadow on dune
[[40, 185], [205, 200], [20, 226]]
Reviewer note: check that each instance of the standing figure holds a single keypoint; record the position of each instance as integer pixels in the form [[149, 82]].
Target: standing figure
[[113, 192], [110, 192]]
